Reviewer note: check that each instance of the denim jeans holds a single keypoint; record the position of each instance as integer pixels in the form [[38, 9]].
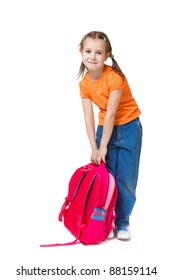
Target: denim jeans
[[122, 161]]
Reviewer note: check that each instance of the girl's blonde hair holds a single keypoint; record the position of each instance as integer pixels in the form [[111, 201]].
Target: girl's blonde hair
[[104, 37]]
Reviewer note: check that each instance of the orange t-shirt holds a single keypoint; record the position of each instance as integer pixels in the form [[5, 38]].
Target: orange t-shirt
[[98, 91]]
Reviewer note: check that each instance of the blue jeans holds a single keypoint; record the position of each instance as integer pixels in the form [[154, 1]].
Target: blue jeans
[[122, 161]]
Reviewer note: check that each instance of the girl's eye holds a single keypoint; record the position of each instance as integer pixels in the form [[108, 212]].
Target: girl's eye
[[87, 51], [99, 52]]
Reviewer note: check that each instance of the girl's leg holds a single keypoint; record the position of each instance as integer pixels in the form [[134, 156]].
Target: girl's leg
[[129, 140], [122, 161]]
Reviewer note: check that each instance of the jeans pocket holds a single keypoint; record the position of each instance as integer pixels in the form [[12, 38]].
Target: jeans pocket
[[139, 126]]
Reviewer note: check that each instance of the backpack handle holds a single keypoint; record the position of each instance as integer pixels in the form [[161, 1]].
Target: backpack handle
[[92, 166]]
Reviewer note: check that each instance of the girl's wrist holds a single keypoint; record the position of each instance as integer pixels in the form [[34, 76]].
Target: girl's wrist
[[94, 148], [102, 145]]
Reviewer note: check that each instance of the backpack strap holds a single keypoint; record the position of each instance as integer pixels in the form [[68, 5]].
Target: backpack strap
[[110, 191], [63, 209], [76, 241]]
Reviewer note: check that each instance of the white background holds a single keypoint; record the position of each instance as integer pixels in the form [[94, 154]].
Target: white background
[[43, 138]]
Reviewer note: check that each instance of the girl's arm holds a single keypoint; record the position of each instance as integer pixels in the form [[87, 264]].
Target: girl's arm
[[112, 106], [90, 126]]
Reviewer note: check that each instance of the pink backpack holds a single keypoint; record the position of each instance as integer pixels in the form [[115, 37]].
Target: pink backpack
[[88, 210]]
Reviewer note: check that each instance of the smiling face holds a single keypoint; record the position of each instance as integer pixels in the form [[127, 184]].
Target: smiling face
[[94, 55]]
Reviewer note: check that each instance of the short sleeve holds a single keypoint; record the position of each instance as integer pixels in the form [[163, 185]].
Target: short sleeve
[[83, 90], [115, 81]]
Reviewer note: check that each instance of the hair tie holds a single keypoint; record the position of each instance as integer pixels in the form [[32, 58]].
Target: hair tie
[[84, 37], [104, 39], [111, 56]]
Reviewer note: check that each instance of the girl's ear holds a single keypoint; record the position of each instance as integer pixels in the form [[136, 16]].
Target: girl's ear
[[107, 55], [80, 52]]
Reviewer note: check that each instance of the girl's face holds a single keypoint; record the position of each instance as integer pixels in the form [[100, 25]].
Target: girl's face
[[94, 54]]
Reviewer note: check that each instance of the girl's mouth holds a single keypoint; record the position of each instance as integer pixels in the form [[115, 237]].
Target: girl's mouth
[[92, 62]]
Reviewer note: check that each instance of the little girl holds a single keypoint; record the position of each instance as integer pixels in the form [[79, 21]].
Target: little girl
[[118, 138]]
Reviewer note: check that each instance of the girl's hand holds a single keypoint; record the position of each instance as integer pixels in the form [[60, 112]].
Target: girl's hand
[[94, 156], [98, 155], [101, 155]]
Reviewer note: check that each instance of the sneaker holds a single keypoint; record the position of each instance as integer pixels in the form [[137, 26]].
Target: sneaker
[[123, 233], [111, 234]]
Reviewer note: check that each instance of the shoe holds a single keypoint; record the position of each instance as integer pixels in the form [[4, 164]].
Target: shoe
[[111, 234], [123, 233]]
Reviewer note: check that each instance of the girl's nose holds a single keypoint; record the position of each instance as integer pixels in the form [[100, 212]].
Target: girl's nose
[[92, 55]]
